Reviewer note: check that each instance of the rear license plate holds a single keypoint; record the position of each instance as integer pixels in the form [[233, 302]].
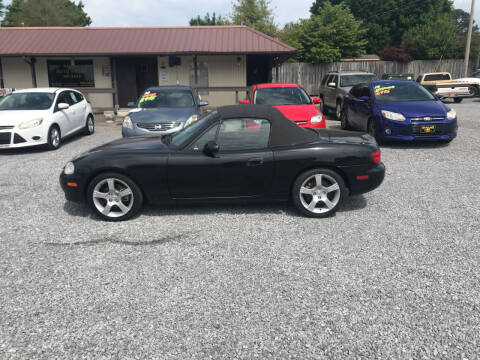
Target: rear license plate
[[427, 129], [453, 95]]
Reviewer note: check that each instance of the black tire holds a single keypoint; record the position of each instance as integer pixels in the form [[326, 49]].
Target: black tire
[[89, 125], [133, 201], [305, 181], [344, 120], [457, 100], [324, 108], [54, 140], [473, 91], [372, 128], [338, 110]]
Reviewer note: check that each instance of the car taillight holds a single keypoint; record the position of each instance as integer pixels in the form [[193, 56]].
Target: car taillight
[[376, 156]]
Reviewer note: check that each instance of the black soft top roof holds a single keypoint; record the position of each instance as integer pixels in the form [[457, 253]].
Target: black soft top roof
[[284, 132]]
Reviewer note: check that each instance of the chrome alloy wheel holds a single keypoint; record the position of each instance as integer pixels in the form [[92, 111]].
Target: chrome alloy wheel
[[320, 193], [90, 125], [55, 137], [113, 197], [338, 112]]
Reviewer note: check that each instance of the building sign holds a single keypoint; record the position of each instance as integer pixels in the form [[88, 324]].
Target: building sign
[[164, 76], [66, 73]]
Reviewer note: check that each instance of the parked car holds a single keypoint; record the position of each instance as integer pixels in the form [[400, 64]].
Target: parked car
[[398, 77], [474, 78], [401, 110], [292, 100], [441, 83], [335, 85], [43, 116], [222, 158], [162, 110]]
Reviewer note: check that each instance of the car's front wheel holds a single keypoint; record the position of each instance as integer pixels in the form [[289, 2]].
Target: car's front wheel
[[318, 192], [338, 111], [89, 125], [114, 197], [344, 120], [54, 138]]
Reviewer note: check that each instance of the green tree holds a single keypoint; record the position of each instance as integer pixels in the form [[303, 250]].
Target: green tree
[[387, 20], [255, 14], [328, 36], [207, 20], [435, 39], [45, 13], [1, 8], [462, 19]]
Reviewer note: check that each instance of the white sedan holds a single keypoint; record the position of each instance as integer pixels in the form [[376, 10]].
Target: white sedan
[[43, 117]]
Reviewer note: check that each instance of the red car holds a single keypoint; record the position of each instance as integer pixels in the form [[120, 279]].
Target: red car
[[291, 99]]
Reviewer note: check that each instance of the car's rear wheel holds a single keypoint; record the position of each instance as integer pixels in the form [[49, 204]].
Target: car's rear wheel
[[344, 120], [324, 108], [458, 100], [54, 138], [114, 197], [89, 125], [338, 111], [318, 192], [372, 128]]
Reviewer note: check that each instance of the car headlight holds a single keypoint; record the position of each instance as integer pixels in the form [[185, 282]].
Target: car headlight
[[451, 115], [69, 168], [316, 119], [127, 123], [393, 116], [191, 120], [31, 124]]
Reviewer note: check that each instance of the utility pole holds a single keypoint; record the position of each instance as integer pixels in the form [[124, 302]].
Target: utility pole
[[469, 38]]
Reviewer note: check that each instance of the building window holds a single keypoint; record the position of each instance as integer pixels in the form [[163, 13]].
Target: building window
[[70, 73]]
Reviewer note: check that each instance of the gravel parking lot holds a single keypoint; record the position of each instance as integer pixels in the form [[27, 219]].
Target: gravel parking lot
[[395, 274]]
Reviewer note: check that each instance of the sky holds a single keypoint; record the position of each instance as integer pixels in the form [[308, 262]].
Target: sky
[[179, 12]]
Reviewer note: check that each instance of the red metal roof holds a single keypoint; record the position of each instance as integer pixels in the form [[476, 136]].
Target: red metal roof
[[137, 40]]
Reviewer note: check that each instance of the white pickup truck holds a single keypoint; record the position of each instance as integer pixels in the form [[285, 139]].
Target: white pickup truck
[[441, 83]]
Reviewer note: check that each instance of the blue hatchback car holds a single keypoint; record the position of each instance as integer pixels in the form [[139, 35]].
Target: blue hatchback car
[[398, 110]]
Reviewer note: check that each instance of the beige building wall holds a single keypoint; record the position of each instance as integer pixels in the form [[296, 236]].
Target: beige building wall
[[17, 74], [223, 71]]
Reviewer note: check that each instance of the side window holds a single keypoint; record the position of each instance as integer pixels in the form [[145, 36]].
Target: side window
[[329, 79], [209, 135], [243, 134], [419, 78], [62, 98], [78, 96], [355, 92], [365, 92], [73, 98], [335, 80], [324, 80]]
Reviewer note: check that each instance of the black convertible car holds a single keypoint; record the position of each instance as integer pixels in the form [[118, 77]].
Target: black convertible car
[[246, 152]]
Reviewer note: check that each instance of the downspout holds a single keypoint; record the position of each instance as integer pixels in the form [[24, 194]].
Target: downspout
[[2, 84], [32, 62]]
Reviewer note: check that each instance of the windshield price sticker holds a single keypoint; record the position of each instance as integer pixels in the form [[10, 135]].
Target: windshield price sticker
[[384, 90], [148, 97]]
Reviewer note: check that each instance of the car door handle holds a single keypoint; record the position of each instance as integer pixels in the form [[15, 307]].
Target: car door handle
[[255, 162]]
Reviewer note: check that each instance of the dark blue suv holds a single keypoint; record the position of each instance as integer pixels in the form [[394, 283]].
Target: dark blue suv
[[401, 110], [162, 110]]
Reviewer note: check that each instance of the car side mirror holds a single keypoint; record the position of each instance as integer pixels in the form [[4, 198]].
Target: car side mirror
[[364, 98], [211, 148], [63, 106], [131, 104], [203, 103], [244, 102], [332, 84], [316, 100]]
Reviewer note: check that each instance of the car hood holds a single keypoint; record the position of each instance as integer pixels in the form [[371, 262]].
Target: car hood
[[16, 117], [160, 115], [415, 108], [298, 112]]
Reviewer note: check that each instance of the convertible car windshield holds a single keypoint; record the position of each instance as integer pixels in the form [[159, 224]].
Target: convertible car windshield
[[181, 136], [166, 99], [402, 92], [281, 96], [27, 101]]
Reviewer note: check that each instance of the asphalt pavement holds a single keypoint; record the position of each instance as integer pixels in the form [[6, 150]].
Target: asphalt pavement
[[394, 275]]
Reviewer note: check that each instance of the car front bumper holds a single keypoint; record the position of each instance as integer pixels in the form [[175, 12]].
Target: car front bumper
[[74, 187], [17, 138], [412, 131], [138, 131]]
